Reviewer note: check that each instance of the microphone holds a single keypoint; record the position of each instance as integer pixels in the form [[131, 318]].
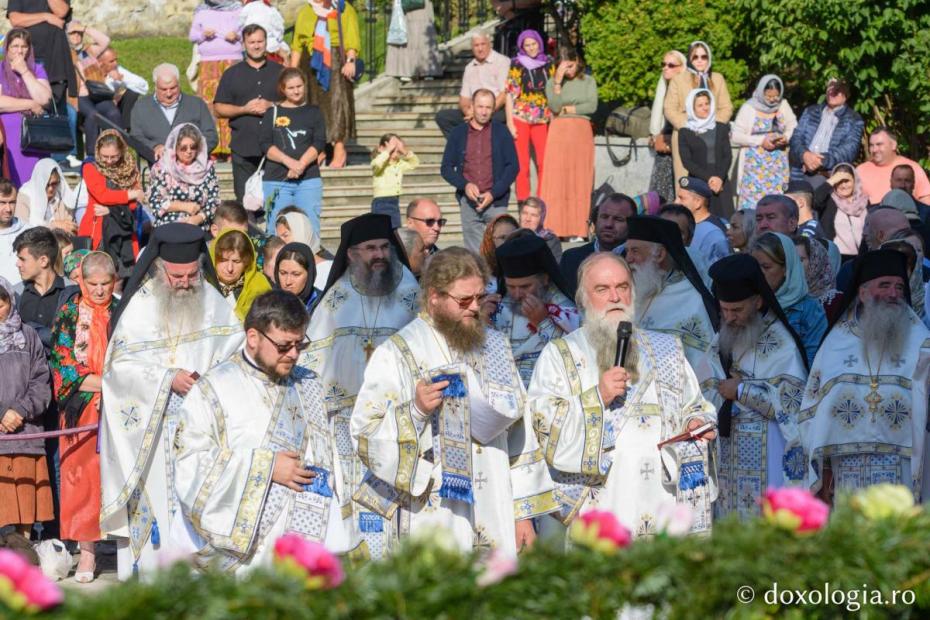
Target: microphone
[[624, 331]]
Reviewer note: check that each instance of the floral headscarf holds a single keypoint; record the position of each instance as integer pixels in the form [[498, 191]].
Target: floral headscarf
[[177, 173], [73, 260], [11, 329], [820, 276], [124, 174]]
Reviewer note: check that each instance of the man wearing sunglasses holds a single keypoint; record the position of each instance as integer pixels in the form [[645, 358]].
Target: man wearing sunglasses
[[171, 326], [255, 453], [442, 425], [371, 293], [425, 217]]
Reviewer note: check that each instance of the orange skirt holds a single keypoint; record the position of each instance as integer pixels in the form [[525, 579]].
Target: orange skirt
[[80, 481], [25, 490], [569, 179], [207, 83]]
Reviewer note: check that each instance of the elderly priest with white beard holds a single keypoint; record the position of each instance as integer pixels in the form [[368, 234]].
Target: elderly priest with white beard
[[599, 424], [172, 325], [441, 421], [864, 413], [755, 374]]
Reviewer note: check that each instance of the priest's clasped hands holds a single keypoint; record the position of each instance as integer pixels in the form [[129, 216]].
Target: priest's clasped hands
[[289, 471]]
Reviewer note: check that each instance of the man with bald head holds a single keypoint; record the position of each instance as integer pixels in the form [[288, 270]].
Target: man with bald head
[[488, 70], [425, 217], [154, 117], [880, 224]]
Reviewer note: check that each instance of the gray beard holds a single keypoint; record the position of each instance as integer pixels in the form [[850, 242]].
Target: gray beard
[[735, 341], [178, 310], [648, 280], [375, 283], [601, 332], [884, 329]]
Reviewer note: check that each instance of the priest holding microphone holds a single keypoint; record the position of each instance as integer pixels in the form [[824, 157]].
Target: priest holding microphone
[[600, 424]]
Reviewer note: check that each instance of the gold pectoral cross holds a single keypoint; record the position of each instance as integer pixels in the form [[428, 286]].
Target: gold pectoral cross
[[873, 399]]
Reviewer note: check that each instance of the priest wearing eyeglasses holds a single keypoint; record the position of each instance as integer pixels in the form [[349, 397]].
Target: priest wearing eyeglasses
[[371, 293], [442, 424], [256, 453], [172, 325]]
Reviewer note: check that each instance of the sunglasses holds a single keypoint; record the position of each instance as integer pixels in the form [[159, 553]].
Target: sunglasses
[[285, 348], [187, 148], [670, 65], [699, 57], [466, 302], [431, 221]]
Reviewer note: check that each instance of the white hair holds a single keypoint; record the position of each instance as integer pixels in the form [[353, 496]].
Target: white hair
[[480, 35], [165, 70]]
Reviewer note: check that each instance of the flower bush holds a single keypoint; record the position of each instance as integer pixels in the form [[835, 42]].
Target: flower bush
[[23, 587], [678, 577], [794, 509]]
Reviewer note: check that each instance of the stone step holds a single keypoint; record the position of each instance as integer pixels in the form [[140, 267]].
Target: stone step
[[448, 88], [437, 100], [396, 121]]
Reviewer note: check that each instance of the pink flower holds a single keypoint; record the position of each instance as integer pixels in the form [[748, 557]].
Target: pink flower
[[600, 530], [794, 509], [309, 560], [674, 519], [497, 566], [23, 587]]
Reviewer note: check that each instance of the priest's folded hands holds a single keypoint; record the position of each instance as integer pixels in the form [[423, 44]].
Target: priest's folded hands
[[289, 471]]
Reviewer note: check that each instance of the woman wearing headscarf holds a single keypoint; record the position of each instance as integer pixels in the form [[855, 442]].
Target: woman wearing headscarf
[[527, 108], [183, 185], [662, 179], [762, 130], [114, 191], [841, 205], [238, 275], [419, 56], [904, 241], [71, 264], [820, 275], [79, 345], [532, 213], [327, 40], [785, 274], [295, 272], [24, 91], [46, 199], [25, 490], [741, 230], [697, 75], [215, 32], [704, 145], [294, 227]]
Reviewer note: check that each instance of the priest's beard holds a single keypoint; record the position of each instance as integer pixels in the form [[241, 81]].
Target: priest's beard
[[178, 309], [648, 279], [735, 340], [372, 282], [884, 328], [600, 328], [461, 336]]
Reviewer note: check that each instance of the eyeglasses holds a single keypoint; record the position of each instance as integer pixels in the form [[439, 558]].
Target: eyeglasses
[[285, 348], [431, 221], [670, 65], [466, 302], [699, 57]]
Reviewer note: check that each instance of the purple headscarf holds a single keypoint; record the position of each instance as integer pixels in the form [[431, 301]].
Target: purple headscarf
[[13, 85], [527, 61], [11, 329]]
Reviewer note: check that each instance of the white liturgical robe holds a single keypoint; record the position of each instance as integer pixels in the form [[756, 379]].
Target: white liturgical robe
[[231, 425], [607, 457], [865, 417], [139, 418], [473, 467], [344, 331], [764, 447]]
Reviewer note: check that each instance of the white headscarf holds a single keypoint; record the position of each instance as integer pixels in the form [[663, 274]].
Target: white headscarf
[[302, 230], [40, 211], [657, 121], [700, 125]]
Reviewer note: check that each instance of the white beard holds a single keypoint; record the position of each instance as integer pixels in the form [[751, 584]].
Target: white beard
[[178, 310], [648, 279], [600, 329], [735, 340], [884, 328]]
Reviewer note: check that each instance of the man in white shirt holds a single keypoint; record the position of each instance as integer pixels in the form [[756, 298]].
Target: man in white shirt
[[127, 85], [10, 227], [487, 71]]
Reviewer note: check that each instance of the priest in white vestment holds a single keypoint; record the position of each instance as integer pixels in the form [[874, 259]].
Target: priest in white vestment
[[599, 424], [670, 294], [442, 424], [864, 413], [172, 325], [256, 455], [754, 374], [371, 294], [535, 307]]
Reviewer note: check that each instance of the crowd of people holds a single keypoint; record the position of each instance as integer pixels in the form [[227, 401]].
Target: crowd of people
[[217, 385]]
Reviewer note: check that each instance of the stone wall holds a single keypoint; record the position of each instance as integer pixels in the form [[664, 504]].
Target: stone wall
[[124, 19]]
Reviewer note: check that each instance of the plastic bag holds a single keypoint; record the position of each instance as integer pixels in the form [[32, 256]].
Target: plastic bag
[[54, 559], [397, 31]]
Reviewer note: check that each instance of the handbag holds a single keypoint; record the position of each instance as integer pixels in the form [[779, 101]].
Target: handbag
[[99, 91], [49, 133], [253, 197], [359, 63], [629, 123], [397, 32]]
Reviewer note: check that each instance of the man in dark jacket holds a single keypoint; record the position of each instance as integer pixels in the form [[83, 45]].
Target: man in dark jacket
[[828, 134], [610, 230], [480, 161]]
